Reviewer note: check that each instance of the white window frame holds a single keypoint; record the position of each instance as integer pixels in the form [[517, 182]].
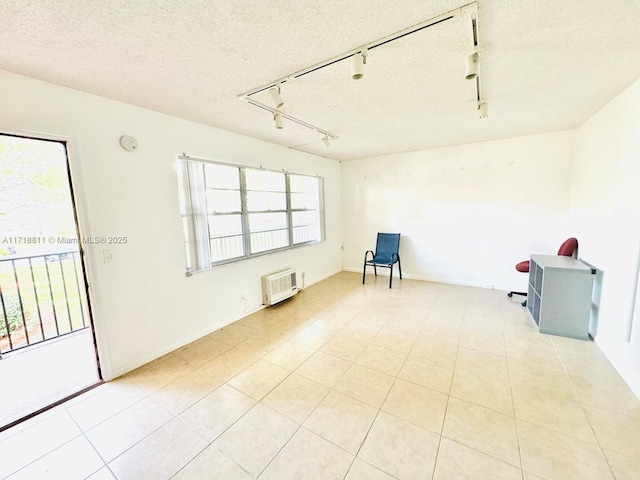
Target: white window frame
[[192, 187]]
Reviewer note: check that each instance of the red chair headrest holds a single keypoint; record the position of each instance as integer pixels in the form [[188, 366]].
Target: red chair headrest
[[569, 247]]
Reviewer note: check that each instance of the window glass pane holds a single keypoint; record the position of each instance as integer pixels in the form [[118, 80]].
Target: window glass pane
[[307, 233], [269, 240], [268, 231], [260, 201], [224, 225], [303, 184], [244, 211], [304, 218], [226, 248], [221, 176], [306, 226], [265, 180], [304, 200], [223, 201], [259, 222]]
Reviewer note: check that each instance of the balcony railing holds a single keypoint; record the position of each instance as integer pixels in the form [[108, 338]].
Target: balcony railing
[[40, 299]]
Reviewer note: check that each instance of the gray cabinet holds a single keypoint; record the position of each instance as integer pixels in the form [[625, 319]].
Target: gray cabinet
[[559, 295]]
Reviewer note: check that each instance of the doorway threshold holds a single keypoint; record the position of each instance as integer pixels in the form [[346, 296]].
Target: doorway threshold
[[42, 376]]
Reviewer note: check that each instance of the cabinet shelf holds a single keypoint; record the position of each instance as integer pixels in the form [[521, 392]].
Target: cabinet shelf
[[559, 295]]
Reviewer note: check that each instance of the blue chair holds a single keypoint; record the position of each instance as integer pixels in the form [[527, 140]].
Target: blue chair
[[386, 254]]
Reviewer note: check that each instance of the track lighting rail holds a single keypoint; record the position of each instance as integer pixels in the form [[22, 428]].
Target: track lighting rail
[[470, 9], [369, 46], [292, 119]]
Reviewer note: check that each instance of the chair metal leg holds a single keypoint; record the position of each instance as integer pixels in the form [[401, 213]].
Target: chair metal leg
[[375, 270], [512, 293], [400, 267], [391, 276], [364, 271]]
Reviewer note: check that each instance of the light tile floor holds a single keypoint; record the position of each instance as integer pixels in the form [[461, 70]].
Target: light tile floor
[[347, 381]]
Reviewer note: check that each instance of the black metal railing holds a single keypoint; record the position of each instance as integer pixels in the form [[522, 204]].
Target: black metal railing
[[40, 299]]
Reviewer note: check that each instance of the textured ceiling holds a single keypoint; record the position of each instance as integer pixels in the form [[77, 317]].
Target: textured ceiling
[[545, 65]]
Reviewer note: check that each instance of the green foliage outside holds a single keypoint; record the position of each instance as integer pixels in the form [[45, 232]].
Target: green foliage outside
[[35, 203], [43, 291], [13, 314], [34, 195]]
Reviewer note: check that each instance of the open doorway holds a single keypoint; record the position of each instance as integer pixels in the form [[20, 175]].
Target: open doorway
[[47, 345]]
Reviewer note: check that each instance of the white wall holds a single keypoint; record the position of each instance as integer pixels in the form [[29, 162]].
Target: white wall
[[605, 206], [467, 213], [143, 304]]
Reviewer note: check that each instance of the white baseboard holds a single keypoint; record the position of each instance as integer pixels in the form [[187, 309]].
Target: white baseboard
[[320, 279], [430, 279]]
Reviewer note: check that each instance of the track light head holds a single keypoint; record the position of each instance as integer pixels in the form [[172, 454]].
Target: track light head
[[358, 61], [277, 119], [483, 109], [325, 141], [276, 98], [471, 67]]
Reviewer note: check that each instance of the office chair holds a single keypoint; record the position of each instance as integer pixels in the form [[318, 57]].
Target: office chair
[[569, 248], [387, 246]]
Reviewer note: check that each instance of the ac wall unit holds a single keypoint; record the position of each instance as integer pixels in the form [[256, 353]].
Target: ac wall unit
[[279, 286]]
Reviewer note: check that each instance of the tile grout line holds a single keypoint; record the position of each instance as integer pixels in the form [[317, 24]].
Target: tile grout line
[[22, 467], [435, 463], [225, 382], [332, 389], [262, 398], [380, 409], [197, 454], [105, 464], [513, 402], [584, 411], [301, 425], [146, 395], [150, 395], [141, 440], [487, 408]]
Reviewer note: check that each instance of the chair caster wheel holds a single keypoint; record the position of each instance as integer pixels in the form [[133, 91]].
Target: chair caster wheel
[[510, 294], [524, 304]]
